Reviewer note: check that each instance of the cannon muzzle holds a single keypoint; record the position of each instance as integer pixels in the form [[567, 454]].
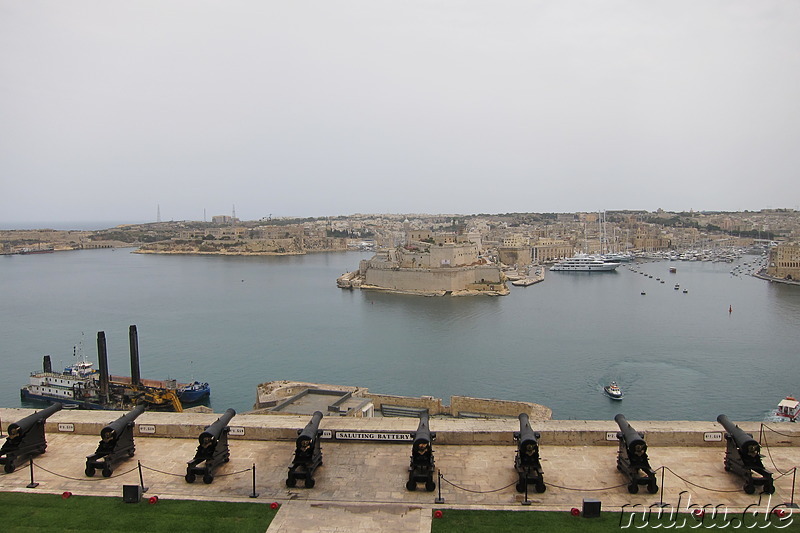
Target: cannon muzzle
[[634, 441], [116, 427], [309, 433], [20, 427], [744, 442], [526, 436], [423, 433], [215, 430]]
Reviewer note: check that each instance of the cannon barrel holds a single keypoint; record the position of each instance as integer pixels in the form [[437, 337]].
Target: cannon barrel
[[742, 439], [526, 434], [118, 425], [423, 433], [310, 431], [215, 429], [631, 436], [24, 425]]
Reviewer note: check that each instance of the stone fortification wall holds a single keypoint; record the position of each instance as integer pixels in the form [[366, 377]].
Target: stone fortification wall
[[455, 431], [432, 280], [465, 406], [432, 405], [272, 393]]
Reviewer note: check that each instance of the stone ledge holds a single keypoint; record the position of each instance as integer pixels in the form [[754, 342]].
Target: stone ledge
[[449, 431]]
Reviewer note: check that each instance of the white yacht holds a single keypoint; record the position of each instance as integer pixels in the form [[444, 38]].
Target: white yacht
[[585, 263]]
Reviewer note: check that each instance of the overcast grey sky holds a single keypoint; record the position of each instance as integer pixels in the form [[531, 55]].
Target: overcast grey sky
[[111, 108]]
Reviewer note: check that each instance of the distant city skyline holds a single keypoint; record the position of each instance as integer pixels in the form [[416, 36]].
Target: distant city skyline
[[115, 111]]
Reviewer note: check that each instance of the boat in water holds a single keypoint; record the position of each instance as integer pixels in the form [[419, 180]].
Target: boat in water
[[788, 409], [193, 392], [81, 386], [613, 391], [585, 263]]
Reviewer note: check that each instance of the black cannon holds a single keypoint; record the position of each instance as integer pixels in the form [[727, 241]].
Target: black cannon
[[743, 457], [632, 458], [116, 443], [25, 439], [527, 463], [307, 453], [422, 466], [212, 451]]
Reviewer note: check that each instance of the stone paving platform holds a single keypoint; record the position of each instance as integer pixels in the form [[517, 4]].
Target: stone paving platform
[[361, 486]]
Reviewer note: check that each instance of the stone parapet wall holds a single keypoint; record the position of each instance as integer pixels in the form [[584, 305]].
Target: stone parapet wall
[[432, 405], [461, 405], [449, 430]]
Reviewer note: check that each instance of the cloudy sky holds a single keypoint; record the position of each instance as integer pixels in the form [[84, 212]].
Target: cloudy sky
[[110, 109]]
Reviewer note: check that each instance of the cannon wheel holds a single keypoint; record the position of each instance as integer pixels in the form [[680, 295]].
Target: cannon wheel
[[106, 472], [769, 489], [633, 487], [89, 471], [520, 486], [310, 482], [430, 485], [652, 488], [411, 484], [749, 488], [190, 478], [9, 467], [207, 479], [540, 487], [291, 481]]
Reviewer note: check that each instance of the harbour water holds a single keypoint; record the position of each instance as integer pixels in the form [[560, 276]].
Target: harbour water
[[240, 321]]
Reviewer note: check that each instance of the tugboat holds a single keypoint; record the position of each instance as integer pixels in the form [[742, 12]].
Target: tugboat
[[613, 391]]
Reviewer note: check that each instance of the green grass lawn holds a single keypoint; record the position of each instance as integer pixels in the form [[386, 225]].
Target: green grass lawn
[[21, 512], [453, 521]]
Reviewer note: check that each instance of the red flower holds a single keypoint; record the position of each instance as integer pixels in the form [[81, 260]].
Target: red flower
[[153, 499], [437, 513], [274, 505], [575, 511], [66, 494]]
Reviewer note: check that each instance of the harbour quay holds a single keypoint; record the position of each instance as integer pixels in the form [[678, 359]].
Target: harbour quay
[[362, 483]]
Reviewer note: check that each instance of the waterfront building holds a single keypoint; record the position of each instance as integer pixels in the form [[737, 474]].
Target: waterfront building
[[549, 250], [784, 261]]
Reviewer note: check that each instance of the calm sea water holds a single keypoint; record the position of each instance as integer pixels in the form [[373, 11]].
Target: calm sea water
[[240, 321]]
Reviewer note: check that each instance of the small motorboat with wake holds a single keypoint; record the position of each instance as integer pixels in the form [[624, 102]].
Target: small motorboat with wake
[[788, 409], [613, 391]]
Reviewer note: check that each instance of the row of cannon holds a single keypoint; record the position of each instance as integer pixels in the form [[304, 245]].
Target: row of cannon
[[26, 439]]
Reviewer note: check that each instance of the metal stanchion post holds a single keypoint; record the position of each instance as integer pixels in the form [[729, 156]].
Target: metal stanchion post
[[661, 495], [791, 501], [32, 484], [254, 494], [141, 478], [526, 501], [439, 499]]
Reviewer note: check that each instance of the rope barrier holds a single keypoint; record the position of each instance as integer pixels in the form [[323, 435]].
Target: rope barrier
[[182, 475], [85, 478], [587, 490], [778, 432], [769, 453], [233, 473], [695, 484], [477, 491], [162, 472]]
